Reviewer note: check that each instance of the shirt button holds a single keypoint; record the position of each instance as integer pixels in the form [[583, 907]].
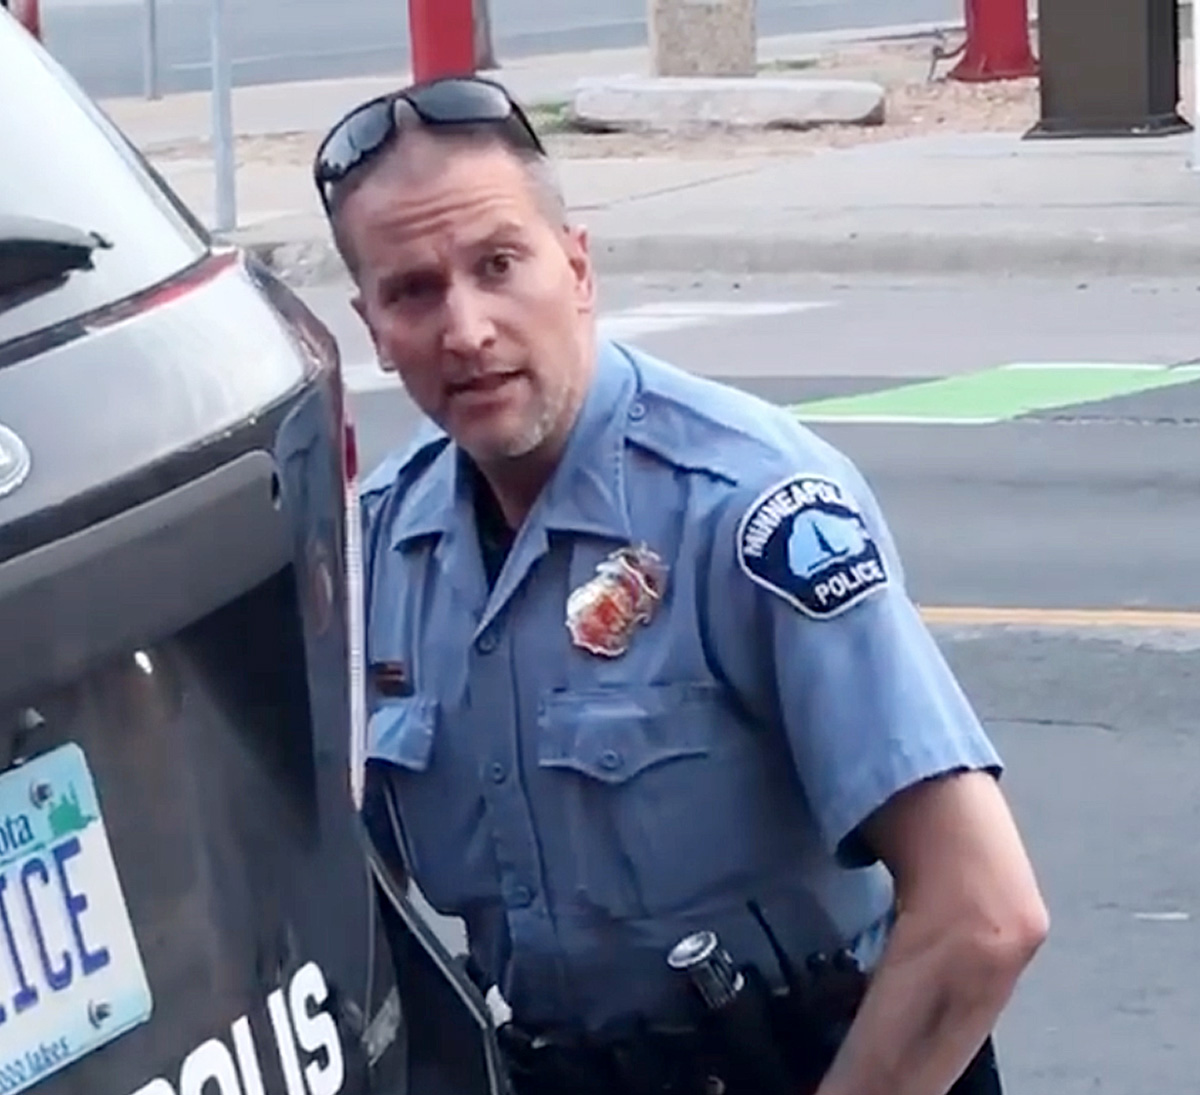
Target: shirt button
[[487, 642], [637, 411], [610, 760], [499, 773], [521, 897]]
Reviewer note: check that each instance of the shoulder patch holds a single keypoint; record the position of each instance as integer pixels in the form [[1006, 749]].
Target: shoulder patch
[[806, 541]]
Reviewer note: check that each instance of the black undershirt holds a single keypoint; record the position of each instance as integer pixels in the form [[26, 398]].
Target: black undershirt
[[495, 535]]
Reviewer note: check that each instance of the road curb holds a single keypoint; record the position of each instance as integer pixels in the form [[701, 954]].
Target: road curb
[[314, 262], [994, 253]]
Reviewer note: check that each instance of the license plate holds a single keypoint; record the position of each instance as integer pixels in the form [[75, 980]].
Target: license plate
[[71, 976]]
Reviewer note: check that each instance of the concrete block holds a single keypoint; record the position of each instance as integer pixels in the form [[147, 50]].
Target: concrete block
[[679, 104], [703, 37]]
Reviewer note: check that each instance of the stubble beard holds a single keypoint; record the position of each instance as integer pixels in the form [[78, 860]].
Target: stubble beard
[[538, 429]]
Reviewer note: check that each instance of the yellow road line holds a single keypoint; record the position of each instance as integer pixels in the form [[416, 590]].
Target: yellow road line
[[1084, 618]]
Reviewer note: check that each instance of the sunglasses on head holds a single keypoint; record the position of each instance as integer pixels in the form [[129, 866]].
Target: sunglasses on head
[[448, 101]]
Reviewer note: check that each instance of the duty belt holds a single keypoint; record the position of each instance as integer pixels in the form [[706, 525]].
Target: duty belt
[[747, 1039]]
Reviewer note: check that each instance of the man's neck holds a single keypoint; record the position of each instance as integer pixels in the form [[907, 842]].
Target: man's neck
[[517, 483]]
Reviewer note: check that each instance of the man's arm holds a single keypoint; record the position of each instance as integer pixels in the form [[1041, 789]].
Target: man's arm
[[970, 920], [815, 632]]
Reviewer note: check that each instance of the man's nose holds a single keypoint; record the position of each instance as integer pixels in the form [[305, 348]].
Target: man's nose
[[469, 326]]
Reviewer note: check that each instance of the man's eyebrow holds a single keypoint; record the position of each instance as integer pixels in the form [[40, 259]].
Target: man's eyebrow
[[508, 232]]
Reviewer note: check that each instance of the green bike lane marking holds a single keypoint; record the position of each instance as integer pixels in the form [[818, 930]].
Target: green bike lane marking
[[996, 395]]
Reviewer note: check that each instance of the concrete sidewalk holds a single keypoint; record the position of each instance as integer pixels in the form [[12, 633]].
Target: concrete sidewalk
[[935, 200]]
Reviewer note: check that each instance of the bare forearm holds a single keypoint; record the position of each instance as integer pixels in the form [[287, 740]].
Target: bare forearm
[[933, 1000]]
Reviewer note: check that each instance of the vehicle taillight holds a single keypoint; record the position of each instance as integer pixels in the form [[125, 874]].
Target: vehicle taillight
[[196, 277], [355, 631], [350, 456]]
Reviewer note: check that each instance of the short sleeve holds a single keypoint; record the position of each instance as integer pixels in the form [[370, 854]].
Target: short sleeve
[[810, 623]]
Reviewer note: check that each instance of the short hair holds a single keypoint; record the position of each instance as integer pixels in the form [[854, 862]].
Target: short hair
[[539, 171]]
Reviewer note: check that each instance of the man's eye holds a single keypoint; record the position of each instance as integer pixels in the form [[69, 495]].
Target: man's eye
[[411, 289], [497, 265]]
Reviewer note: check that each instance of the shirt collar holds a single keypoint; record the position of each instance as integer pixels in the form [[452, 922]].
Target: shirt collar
[[586, 493]]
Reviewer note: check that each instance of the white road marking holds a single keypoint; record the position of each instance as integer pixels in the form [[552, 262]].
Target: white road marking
[[627, 325], [1163, 917], [645, 319], [894, 420]]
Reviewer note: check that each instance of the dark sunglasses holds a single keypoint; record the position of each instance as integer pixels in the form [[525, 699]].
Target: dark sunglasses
[[448, 101]]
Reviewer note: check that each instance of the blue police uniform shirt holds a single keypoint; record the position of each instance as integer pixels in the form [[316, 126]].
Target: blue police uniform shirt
[[581, 812]]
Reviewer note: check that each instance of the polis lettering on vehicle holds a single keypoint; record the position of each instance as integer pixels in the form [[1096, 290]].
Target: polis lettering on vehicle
[[299, 1021]]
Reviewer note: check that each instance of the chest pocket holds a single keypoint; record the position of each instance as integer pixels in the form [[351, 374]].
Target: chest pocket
[[666, 797], [437, 796]]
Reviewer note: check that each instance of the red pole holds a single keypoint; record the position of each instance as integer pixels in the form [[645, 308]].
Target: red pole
[[998, 45], [443, 38], [28, 15]]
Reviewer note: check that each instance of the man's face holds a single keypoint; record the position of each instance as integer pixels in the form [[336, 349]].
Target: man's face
[[473, 295]]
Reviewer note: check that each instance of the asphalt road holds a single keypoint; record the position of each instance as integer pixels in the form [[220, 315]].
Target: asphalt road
[[1093, 506], [101, 41]]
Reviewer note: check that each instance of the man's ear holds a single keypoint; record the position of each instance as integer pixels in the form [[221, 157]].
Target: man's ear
[[360, 306], [580, 258]]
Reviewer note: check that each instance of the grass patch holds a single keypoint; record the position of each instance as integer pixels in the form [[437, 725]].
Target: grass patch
[[790, 64], [551, 117]]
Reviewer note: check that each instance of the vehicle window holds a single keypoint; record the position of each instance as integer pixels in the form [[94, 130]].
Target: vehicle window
[[64, 162]]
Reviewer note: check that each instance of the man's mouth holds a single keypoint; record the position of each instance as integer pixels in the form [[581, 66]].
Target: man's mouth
[[483, 384]]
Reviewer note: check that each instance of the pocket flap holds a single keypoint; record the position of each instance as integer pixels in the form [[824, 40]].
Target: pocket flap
[[400, 731], [613, 734]]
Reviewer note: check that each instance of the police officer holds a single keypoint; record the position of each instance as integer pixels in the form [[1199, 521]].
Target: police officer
[[642, 659]]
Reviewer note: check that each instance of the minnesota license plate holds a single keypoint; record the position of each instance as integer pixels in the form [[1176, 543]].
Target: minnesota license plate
[[71, 977]]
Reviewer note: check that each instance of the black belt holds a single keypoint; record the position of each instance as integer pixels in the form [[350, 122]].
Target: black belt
[[661, 1063], [762, 1043], [747, 1039], [647, 1062]]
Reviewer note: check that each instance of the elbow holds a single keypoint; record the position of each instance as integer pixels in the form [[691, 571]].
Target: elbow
[[1026, 929], [1004, 943]]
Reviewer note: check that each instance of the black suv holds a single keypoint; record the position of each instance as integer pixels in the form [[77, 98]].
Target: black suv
[[188, 903]]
